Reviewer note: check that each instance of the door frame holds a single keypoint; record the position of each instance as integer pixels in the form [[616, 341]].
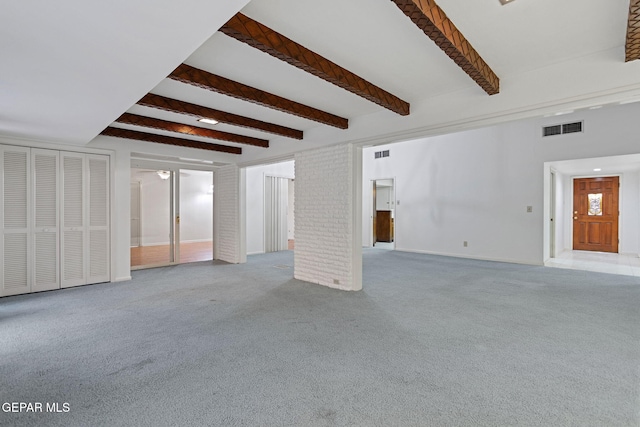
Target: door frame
[[372, 199], [175, 169], [620, 202]]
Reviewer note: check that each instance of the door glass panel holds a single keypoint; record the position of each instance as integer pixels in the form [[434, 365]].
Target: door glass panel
[[595, 204], [152, 221], [196, 216]]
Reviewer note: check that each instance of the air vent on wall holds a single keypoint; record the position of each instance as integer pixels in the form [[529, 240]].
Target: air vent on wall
[[562, 129], [381, 154]]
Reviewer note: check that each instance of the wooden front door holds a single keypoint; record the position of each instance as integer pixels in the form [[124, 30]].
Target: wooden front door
[[595, 214]]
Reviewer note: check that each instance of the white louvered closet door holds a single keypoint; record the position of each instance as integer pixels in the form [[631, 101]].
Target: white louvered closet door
[[276, 201], [46, 250], [72, 243], [15, 266], [98, 219]]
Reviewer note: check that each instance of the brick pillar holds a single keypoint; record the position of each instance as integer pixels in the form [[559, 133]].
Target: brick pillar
[[229, 215], [328, 217]]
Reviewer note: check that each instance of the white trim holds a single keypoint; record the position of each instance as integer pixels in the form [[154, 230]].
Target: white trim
[[356, 219], [479, 258], [54, 146], [121, 279]]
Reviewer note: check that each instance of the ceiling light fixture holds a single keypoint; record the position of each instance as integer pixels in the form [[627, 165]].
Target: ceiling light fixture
[[506, 2], [208, 121], [597, 170], [164, 174], [562, 113]]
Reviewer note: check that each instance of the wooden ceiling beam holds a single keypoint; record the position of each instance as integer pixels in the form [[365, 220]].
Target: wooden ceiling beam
[[432, 20], [149, 122], [263, 38], [180, 107], [632, 45], [168, 140], [205, 80]]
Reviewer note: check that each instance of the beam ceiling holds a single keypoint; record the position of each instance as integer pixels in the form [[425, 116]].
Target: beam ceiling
[[205, 80], [432, 20], [261, 37], [134, 119], [168, 140], [193, 110], [632, 47]]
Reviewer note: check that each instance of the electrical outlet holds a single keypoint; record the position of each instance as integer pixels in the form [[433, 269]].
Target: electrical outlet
[[529, 209], [465, 243], [336, 281]]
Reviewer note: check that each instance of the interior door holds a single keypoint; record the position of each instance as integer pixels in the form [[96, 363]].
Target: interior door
[[595, 214], [276, 207], [15, 207], [46, 252]]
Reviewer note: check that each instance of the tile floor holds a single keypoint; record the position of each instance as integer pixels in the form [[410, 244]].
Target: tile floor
[[628, 265]]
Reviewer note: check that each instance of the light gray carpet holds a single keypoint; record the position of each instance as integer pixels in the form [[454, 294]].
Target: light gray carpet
[[430, 341]]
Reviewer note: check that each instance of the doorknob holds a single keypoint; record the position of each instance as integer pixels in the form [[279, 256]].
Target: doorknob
[[178, 219]]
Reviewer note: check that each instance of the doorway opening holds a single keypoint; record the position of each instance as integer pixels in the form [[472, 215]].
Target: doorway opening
[[171, 217], [593, 236], [383, 207]]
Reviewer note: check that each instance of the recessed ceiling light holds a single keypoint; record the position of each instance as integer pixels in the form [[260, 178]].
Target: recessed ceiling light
[[597, 170], [506, 1], [561, 113], [209, 121]]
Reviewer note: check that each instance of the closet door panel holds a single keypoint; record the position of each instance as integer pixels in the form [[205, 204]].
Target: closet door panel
[[72, 242], [46, 252], [15, 221], [98, 218]]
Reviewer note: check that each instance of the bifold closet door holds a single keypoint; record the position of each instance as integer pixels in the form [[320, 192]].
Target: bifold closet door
[[276, 196], [84, 247], [72, 243], [15, 209], [98, 219], [46, 253]]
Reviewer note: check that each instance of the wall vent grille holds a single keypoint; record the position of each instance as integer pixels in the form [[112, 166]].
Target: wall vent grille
[[562, 129], [381, 154]]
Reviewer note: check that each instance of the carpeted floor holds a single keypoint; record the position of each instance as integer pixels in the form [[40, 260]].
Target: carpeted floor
[[430, 341]]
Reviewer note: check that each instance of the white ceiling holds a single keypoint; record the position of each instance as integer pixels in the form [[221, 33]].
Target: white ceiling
[[70, 68]]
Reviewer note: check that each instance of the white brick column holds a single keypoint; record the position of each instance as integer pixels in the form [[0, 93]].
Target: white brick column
[[229, 242], [328, 217]]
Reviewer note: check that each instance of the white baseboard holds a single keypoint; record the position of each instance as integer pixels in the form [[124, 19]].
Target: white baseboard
[[167, 243], [507, 260], [121, 279]]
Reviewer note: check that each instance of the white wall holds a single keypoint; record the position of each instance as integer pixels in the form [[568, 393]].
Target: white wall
[[229, 215], [196, 206], [290, 210], [475, 186], [328, 201], [255, 200], [561, 217]]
